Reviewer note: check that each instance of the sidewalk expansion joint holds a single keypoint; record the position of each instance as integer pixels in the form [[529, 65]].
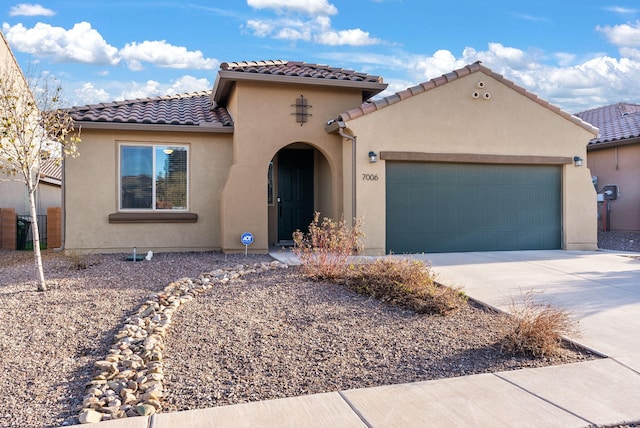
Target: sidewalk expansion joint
[[545, 400], [625, 366], [356, 411]]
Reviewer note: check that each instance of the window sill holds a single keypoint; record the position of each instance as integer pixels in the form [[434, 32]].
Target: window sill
[[153, 217]]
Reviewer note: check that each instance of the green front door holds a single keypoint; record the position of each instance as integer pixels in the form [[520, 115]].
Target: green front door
[[295, 191], [449, 207]]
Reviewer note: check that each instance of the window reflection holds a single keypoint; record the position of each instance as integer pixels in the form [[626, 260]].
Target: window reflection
[[153, 177]]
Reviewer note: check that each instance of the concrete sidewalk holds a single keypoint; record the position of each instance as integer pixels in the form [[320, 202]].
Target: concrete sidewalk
[[601, 289]]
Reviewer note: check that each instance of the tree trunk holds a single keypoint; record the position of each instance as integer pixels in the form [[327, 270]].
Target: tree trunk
[[42, 285]]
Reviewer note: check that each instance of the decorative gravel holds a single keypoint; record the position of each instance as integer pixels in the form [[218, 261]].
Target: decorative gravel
[[619, 241], [266, 335]]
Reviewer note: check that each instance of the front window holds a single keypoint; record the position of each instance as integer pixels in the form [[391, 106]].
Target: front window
[[153, 177]]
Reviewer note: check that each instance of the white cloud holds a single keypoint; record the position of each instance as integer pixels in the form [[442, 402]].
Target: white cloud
[[592, 83], [108, 91], [188, 84], [153, 88], [293, 34], [310, 7], [318, 29], [163, 54], [89, 94], [621, 10], [260, 28], [623, 34], [80, 44], [135, 90], [355, 37], [26, 9], [84, 44]]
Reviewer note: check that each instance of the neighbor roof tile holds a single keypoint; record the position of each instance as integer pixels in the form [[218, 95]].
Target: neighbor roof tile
[[616, 122]]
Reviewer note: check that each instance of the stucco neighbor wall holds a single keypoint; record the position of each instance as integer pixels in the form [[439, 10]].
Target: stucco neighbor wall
[[92, 194], [264, 124], [619, 166], [447, 119]]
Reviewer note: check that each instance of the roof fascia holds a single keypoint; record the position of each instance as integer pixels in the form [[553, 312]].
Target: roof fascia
[[211, 129], [615, 143], [225, 80]]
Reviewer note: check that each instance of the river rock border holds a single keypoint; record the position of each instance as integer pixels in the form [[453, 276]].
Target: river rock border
[[129, 380]]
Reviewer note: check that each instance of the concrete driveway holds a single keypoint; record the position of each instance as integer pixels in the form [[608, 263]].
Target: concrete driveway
[[601, 289]]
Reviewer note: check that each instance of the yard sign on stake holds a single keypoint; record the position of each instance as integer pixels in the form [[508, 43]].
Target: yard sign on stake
[[246, 239]]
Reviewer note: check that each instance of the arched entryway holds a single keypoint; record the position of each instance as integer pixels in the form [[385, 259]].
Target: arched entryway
[[300, 183]]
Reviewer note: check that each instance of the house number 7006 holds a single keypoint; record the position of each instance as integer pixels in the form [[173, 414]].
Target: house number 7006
[[369, 177]]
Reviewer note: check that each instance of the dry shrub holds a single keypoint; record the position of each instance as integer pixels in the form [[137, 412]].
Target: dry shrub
[[404, 282], [77, 259], [324, 250], [536, 328]]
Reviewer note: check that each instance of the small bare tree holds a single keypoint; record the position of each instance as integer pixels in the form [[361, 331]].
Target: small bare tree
[[33, 129]]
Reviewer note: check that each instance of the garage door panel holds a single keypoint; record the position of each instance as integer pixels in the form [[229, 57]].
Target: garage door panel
[[443, 207]]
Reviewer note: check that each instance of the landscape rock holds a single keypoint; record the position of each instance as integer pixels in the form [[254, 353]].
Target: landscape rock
[[89, 416]]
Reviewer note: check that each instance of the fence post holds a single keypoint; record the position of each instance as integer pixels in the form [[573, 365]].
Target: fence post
[[54, 227], [8, 224]]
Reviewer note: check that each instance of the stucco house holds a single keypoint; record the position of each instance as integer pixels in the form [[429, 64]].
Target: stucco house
[[614, 159], [468, 161], [14, 197], [13, 192]]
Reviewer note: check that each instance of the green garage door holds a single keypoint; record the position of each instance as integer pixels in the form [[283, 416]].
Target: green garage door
[[449, 207]]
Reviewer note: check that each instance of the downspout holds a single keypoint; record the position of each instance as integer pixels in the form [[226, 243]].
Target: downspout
[[353, 171], [337, 126]]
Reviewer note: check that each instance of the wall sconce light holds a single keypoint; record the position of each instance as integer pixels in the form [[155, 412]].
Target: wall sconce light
[[373, 157], [577, 160]]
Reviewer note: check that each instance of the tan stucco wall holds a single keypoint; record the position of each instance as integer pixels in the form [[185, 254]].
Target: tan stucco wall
[[264, 125], [92, 194], [447, 119], [619, 166]]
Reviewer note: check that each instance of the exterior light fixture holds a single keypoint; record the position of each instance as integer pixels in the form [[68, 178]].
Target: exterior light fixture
[[577, 160], [373, 157]]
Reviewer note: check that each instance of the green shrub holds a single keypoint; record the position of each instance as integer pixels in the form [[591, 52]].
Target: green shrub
[[536, 328], [404, 282], [324, 250]]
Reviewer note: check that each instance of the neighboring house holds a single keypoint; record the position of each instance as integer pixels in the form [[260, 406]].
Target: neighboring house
[[614, 160], [13, 192], [465, 162], [14, 197]]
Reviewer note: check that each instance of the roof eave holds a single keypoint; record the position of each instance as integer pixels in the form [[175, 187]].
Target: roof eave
[[613, 143], [51, 181], [203, 128], [225, 80]]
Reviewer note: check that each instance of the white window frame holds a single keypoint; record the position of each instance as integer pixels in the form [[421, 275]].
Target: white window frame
[[153, 191]]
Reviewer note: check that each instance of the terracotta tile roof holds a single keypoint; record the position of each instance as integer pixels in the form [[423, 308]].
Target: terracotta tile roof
[[292, 72], [298, 69], [616, 122], [369, 107], [183, 109]]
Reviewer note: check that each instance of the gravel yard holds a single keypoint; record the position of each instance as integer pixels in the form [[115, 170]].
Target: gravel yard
[[266, 335]]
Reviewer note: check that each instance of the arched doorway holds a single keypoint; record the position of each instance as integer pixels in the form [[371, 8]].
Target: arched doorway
[[300, 183]]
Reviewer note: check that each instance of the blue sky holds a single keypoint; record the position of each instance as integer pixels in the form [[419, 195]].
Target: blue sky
[[576, 54]]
